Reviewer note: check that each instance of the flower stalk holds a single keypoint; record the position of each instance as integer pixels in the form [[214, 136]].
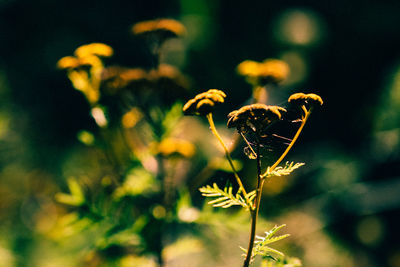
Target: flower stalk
[[227, 154]]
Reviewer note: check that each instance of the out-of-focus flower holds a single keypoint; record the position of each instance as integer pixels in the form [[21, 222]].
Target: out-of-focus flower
[[116, 77], [85, 68], [176, 147], [169, 78], [98, 49], [305, 99], [268, 71], [274, 70], [249, 68], [162, 28], [204, 103], [255, 117], [70, 62]]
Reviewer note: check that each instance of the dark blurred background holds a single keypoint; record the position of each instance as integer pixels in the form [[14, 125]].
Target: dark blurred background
[[346, 51]]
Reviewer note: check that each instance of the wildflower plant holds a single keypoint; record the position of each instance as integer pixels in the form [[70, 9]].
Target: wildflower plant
[[255, 120]]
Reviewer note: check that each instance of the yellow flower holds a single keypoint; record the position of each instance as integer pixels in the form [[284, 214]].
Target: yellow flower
[[204, 103], [255, 117], [97, 49], [274, 70], [176, 147], [249, 68], [165, 28], [268, 71], [305, 99], [70, 62]]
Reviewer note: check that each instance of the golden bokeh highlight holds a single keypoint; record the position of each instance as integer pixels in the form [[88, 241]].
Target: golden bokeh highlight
[[176, 147], [131, 118]]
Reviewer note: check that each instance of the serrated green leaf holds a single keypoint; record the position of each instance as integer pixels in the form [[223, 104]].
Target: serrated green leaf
[[281, 171], [260, 246], [225, 198]]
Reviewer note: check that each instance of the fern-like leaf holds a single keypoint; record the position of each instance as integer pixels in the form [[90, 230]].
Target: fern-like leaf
[[225, 198], [261, 245], [281, 171]]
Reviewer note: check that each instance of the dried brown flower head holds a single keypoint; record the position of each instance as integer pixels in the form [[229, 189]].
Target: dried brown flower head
[[255, 117], [305, 99], [204, 103], [163, 28]]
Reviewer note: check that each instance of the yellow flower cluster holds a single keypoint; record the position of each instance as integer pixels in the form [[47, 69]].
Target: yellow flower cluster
[[166, 28], [204, 103], [84, 69], [268, 71], [98, 49]]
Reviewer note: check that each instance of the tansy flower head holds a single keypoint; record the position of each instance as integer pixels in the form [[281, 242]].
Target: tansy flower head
[[163, 28], [97, 49], [249, 68], [305, 99], [274, 70], [255, 117], [268, 71], [70, 62], [204, 103]]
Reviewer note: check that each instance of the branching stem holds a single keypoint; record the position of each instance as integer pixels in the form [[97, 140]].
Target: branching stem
[[227, 154], [296, 136], [260, 184]]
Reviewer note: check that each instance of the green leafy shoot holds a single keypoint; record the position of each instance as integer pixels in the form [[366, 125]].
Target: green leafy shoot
[[261, 245], [226, 198], [281, 171]]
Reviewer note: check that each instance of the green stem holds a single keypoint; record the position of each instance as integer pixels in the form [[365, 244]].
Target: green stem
[[254, 212], [296, 136], [227, 154]]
